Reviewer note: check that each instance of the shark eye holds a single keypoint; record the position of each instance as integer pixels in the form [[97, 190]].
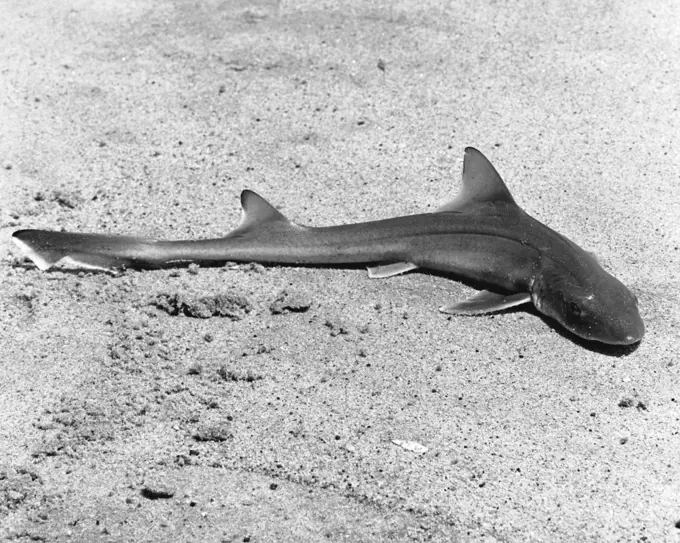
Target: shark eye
[[574, 309]]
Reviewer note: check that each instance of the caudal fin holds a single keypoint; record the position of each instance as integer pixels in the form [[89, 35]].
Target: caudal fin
[[46, 248]]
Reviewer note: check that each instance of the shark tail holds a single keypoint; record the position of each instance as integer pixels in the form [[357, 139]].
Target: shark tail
[[111, 252], [94, 251]]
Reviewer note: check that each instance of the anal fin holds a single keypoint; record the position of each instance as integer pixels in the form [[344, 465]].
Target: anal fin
[[388, 270], [485, 301]]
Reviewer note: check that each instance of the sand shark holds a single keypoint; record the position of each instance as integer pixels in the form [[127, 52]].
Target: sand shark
[[481, 236]]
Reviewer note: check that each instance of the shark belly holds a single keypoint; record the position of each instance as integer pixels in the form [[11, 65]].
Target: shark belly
[[499, 262]]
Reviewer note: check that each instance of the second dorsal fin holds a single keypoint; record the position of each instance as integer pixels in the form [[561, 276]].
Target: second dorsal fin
[[481, 183], [257, 212]]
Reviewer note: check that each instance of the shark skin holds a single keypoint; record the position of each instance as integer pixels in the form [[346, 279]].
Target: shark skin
[[482, 236]]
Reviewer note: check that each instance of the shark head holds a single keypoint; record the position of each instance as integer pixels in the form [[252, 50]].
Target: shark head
[[598, 307]]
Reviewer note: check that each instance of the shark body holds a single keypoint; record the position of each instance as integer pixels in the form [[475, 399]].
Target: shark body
[[482, 235]]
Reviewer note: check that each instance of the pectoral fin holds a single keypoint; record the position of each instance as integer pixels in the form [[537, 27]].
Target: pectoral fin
[[486, 302], [388, 270]]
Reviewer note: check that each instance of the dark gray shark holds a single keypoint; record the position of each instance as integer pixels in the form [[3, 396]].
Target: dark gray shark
[[482, 236]]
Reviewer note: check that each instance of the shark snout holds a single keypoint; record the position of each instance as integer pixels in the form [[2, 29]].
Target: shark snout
[[613, 312], [637, 333], [628, 336], [627, 329], [612, 317]]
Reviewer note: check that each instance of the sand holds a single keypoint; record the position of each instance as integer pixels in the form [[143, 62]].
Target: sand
[[355, 412]]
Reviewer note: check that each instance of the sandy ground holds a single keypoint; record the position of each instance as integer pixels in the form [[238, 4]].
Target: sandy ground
[[122, 422]]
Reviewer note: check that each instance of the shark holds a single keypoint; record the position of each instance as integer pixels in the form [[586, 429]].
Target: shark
[[481, 236]]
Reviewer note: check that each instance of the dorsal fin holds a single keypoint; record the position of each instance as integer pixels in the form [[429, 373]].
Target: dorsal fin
[[256, 212], [481, 183]]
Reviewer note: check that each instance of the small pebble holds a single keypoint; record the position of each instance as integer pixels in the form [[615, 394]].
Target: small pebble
[[195, 369], [337, 326], [157, 491], [296, 302], [213, 432]]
